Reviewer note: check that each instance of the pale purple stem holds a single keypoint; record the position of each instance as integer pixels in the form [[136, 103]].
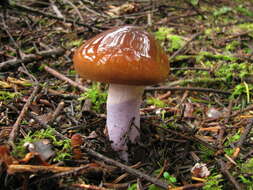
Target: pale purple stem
[[123, 116]]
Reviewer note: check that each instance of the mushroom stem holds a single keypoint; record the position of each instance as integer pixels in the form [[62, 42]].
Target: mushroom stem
[[123, 116]]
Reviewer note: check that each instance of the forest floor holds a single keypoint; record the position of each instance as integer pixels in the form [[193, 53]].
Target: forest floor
[[196, 128]]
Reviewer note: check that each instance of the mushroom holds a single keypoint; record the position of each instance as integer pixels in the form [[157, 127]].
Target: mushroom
[[128, 58]]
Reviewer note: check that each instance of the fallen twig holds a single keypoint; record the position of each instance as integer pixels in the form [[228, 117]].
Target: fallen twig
[[228, 175], [64, 78], [189, 186], [245, 133], [57, 111], [183, 47], [121, 177], [75, 8], [229, 38], [32, 57], [187, 88], [191, 138], [197, 81], [86, 186], [30, 10], [189, 68], [19, 168], [242, 111], [230, 106], [15, 128], [243, 138], [45, 126], [129, 169]]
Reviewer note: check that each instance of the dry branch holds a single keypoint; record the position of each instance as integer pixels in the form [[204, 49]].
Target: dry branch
[[30, 10], [128, 169], [64, 78], [186, 44], [189, 186], [208, 90], [86, 186], [245, 133], [15, 128], [32, 57], [15, 168], [225, 171]]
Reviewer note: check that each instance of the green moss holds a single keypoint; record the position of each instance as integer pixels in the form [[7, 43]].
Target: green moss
[[175, 41], [5, 95], [213, 182], [63, 147], [97, 97], [222, 11], [156, 102]]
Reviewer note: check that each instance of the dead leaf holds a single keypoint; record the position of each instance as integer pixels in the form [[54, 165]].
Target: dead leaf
[[76, 143], [21, 81], [125, 8], [43, 147], [200, 170], [188, 110], [6, 157], [213, 113], [33, 158], [4, 84]]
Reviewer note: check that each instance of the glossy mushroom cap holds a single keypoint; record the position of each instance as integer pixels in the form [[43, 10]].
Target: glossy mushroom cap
[[122, 55]]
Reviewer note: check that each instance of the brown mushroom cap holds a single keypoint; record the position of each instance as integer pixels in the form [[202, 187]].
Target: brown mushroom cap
[[122, 55]]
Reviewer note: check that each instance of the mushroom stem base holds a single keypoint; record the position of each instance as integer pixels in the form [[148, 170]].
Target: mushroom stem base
[[123, 116]]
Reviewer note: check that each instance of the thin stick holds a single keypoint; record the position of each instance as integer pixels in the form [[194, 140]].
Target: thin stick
[[188, 68], [128, 169], [64, 78], [245, 133], [206, 81], [230, 106], [38, 12], [19, 168], [86, 186], [189, 186], [76, 9], [57, 111], [32, 57], [56, 10], [228, 175], [242, 111], [45, 126], [15, 128], [208, 90], [191, 138], [186, 44], [243, 138]]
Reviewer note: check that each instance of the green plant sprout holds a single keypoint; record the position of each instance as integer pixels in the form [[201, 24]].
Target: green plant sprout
[[233, 70], [243, 10], [222, 11], [171, 179], [231, 139], [247, 181], [205, 153], [165, 33], [247, 168], [208, 55], [156, 102], [63, 146], [97, 97], [5, 95], [194, 2], [213, 182], [74, 43], [243, 88]]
